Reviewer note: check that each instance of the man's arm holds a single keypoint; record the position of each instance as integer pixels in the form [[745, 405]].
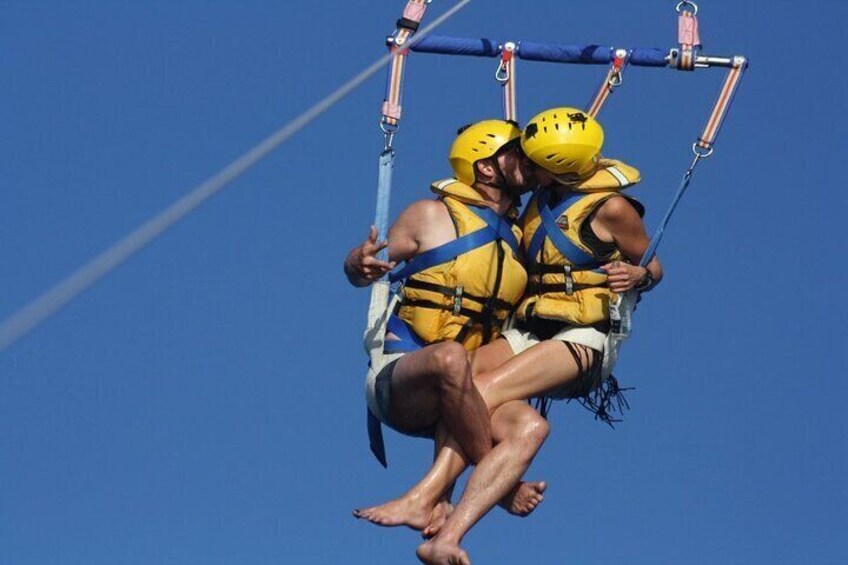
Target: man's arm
[[404, 241], [619, 222], [362, 266]]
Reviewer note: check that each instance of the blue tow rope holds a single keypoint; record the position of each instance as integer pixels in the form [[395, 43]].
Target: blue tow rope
[[660, 231]]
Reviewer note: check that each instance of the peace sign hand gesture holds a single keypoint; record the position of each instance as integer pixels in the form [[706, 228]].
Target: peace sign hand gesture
[[362, 266]]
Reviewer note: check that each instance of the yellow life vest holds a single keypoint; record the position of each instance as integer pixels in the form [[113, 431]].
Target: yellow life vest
[[565, 282], [465, 289]]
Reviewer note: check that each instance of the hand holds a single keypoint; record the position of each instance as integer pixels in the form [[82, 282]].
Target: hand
[[362, 262], [624, 276]]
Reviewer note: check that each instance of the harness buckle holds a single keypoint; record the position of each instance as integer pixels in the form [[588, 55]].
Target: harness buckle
[[569, 280], [457, 300]]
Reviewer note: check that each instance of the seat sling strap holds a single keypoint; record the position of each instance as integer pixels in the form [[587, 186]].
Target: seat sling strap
[[408, 342]]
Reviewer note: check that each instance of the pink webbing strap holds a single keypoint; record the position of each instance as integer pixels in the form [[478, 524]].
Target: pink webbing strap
[[722, 105], [689, 39], [687, 29], [394, 86], [611, 82], [413, 13]]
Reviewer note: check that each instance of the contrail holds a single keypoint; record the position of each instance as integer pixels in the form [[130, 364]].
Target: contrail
[[40, 309]]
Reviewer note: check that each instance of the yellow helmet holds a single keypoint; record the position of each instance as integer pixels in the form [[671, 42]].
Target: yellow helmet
[[563, 141], [479, 141]]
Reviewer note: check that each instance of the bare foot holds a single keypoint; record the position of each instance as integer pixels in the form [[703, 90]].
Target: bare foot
[[524, 498], [402, 511], [438, 517], [434, 552]]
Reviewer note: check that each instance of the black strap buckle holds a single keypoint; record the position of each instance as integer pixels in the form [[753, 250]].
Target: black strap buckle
[[406, 23], [569, 280]]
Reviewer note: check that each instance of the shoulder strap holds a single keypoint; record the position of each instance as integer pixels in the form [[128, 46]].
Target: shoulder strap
[[497, 228], [499, 224], [549, 228]]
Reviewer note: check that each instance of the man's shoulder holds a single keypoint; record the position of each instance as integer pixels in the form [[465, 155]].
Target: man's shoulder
[[426, 209]]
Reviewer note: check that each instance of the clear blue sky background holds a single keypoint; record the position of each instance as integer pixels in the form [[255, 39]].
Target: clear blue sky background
[[204, 403]]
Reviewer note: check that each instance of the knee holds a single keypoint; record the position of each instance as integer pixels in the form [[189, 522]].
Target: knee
[[533, 430], [450, 363]]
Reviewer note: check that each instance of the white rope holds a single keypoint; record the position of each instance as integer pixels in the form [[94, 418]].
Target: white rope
[[40, 309]]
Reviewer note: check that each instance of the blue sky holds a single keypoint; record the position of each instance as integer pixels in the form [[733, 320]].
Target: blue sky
[[203, 404]]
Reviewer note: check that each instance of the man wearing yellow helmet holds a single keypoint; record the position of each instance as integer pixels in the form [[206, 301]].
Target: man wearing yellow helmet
[[462, 278], [583, 242]]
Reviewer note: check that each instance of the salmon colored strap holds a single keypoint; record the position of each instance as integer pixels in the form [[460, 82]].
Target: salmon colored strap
[[407, 25], [722, 105], [612, 81], [688, 35]]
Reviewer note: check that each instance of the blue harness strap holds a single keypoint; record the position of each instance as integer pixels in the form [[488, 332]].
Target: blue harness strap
[[497, 228], [375, 438], [551, 230], [409, 341], [499, 224]]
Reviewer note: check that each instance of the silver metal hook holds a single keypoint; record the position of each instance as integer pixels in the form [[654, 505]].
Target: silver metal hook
[[616, 80], [389, 131]]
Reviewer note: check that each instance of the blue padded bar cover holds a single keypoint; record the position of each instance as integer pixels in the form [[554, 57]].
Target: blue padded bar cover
[[559, 53], [649, 58], [445, 45], [587, 54]]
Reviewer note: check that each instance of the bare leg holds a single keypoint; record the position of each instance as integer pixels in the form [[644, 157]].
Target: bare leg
[[542, 368], [517, 425], [494, 478], [425, 506], [426, 503], [434, 385]]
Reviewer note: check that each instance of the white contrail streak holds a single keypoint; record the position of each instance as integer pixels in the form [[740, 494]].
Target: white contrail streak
[[40, 309]]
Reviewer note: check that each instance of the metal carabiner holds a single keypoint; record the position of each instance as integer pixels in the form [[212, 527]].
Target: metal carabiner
[[687, 3], [389, 130], [617, 77], [616, 80], [700, 152], [502, 73]]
